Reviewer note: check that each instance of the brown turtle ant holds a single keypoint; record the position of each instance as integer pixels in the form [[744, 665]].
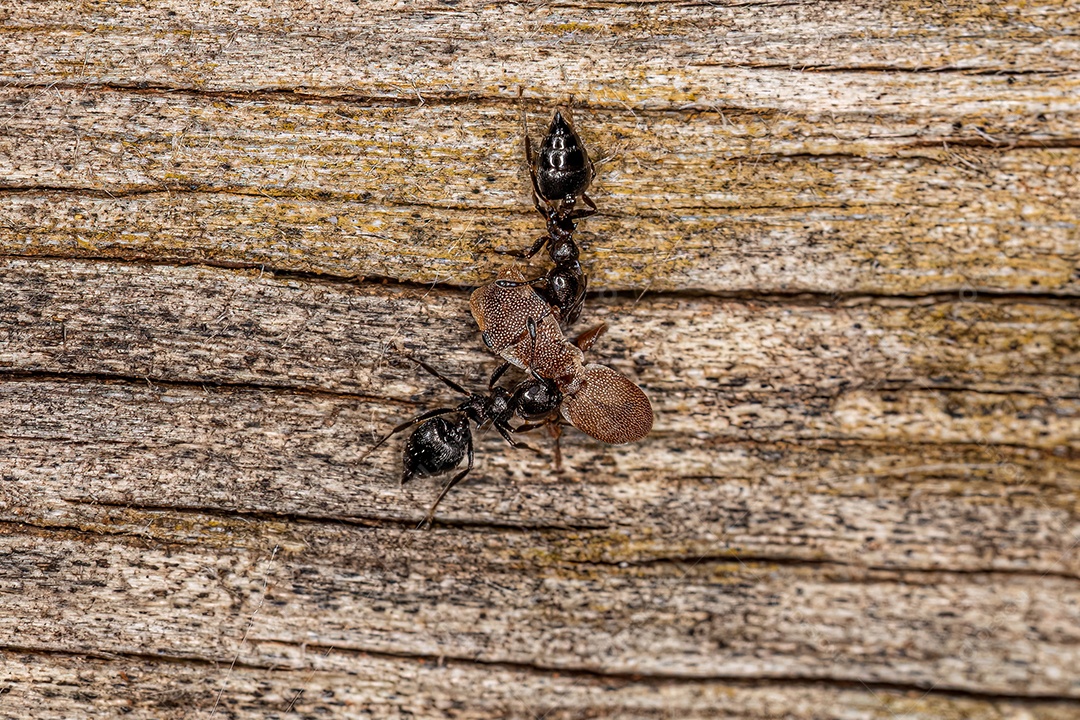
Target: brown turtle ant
[[521, 327], [439, 444]]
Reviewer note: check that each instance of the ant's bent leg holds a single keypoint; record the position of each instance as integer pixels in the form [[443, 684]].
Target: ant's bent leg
[[525, 130], [587, 339], [543, 279], [505, 432], [499, 372], [529, 427], [449, 383], [526, 254], [579, 213], [555, 429], [446, 488]]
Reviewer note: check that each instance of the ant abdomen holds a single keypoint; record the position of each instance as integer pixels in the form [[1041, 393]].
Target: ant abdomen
[[563, 169], [433, 448]]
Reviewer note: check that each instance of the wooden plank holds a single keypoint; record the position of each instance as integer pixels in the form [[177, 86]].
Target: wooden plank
[[578, 47], [308, 588], [189, 324], [980, 507], [56, 687], [721, 200], [837, 247], [977, 507], [766, 443]]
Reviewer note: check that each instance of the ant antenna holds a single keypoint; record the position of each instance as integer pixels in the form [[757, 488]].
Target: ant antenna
[[420, 418], [447, 381], [530, 324]]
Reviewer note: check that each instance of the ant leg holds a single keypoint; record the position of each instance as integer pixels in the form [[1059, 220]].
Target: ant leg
[[499, 371], [519, 283], [525, 129], [529, 427], [542, 206], [587, 339], [446, 488], [505, 432], [530, 324], [406, 425], [442, 377], [530, 160], [555, 429], [526, 254], [583, 212]]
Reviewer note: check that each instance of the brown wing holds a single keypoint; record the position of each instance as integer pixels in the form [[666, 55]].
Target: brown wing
[[609, 407]]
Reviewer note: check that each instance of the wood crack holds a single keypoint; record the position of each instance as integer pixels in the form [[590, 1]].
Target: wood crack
[[583, 674], [795, 298], [681, 561], [371, 522]]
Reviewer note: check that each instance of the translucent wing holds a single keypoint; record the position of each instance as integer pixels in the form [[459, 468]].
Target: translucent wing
[[609, 407]]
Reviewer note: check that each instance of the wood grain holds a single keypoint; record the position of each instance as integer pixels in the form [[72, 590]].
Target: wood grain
[[510, 597], [721, 199], [618, 50], [837, 246], [140, 687]]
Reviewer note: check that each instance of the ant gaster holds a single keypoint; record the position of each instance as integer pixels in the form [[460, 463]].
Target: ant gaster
[[561, 171], [439, 444], [521, 327]]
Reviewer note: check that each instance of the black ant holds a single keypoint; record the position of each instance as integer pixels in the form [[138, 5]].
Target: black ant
[[560, 172], [440, 444], [521, 327]]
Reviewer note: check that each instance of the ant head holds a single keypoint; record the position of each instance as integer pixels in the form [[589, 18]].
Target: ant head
[[609, 407], [536, 398]]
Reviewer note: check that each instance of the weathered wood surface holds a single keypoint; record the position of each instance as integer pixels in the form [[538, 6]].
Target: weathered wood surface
[[838, 247], [714, 199]]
